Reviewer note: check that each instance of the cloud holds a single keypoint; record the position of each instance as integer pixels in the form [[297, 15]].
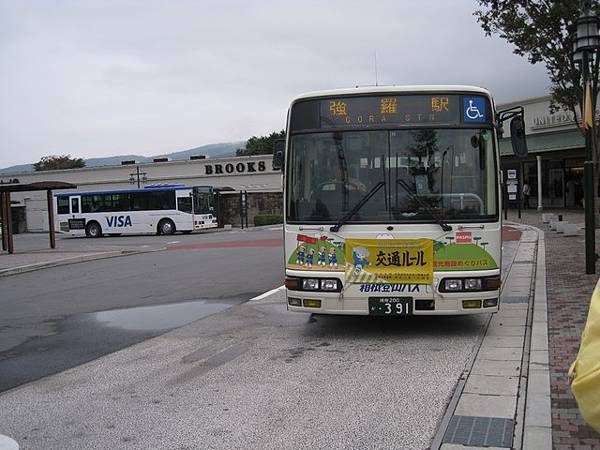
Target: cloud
[[102, 77]]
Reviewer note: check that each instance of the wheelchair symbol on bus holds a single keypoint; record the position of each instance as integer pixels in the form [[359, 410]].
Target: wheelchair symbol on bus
[[472, 111]]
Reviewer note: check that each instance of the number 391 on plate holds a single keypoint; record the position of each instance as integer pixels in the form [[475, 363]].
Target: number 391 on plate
[[390, 306]]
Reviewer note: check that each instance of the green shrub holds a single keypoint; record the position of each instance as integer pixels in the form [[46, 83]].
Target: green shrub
[[267, 219]]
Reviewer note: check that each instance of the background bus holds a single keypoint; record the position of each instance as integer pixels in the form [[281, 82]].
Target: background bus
[[161, 209], [392, 203]]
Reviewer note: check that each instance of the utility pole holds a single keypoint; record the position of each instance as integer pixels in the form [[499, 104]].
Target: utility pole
[[139, 176]]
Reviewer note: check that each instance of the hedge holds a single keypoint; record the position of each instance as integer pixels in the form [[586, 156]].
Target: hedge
[[267, 219]]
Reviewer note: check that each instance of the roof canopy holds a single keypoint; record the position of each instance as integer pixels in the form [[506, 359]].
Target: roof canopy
[[38, 186]]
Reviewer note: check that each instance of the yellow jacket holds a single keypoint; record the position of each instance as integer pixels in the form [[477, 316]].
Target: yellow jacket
[[585, 371]]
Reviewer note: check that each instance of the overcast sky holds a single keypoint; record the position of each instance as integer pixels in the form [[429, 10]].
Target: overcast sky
[[100, 78]]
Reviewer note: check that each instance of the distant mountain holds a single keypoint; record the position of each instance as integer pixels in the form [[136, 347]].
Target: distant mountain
[[19, 168], [210, 150]]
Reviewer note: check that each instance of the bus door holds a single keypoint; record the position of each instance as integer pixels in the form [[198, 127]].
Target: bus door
[[75, 223], [75, 205]]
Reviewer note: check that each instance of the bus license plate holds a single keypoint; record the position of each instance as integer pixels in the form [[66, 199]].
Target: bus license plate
[[390, 306]]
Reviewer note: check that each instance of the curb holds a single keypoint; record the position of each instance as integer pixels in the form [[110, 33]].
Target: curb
[[73, 260], [538, 404], [495, 402]]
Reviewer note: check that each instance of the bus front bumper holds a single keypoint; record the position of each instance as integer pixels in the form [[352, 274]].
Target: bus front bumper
[[334, 303], [363, 299]]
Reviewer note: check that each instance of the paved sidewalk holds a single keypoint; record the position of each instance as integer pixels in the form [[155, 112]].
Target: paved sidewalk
[[26, 261], [569, 291], [489, 407]]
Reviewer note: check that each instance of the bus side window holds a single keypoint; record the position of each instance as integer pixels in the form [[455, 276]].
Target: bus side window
[[74, 205], [63, 205]]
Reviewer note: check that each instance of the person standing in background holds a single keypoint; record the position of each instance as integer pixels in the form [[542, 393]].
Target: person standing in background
[[526, 194]]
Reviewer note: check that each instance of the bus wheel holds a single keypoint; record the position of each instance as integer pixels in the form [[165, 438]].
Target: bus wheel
[[93, 229], [166, 226]]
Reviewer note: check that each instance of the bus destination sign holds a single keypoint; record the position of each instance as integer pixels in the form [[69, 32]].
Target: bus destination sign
[[393, 110]]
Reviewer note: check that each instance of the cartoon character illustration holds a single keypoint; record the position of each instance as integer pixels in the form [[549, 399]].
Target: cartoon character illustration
[[360, 255], [301, 254], [322, 255], [333, 262], [310, 256]]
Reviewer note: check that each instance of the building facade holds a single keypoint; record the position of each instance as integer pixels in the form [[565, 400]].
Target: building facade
[[253, 174], [554, 166]]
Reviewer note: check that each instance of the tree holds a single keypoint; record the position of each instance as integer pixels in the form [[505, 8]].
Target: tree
[[262, 145], [543, 31], [58, 162]]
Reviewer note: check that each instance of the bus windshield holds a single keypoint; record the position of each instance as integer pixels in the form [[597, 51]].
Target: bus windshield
[[203, 200], [449, 172]]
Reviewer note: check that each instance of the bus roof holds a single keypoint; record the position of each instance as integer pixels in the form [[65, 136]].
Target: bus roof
[[152, 188], [392, 90]]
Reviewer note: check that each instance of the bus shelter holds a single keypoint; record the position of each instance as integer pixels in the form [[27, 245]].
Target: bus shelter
[[5, 207]]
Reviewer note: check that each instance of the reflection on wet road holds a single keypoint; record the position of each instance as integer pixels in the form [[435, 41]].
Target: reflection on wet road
[[158, 317], [84, 337], [60, 317]]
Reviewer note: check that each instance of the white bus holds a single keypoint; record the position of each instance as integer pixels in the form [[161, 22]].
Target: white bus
[[392, 200], [161, 209]]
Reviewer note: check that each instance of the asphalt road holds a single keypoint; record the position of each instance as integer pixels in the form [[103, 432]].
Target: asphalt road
[[252, 376], [255, 377], [39, 241], [49, 321]]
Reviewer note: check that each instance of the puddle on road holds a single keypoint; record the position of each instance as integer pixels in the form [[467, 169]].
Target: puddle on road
[[81, 338], [159, 317]]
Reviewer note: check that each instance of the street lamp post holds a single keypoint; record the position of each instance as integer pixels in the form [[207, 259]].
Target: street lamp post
[[586, 45], [137, 175]]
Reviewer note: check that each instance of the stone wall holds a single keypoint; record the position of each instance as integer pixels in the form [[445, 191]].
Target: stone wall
[[258, 203]]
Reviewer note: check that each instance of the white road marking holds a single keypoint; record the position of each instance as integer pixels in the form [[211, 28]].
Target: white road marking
[[276, 229], [266, 294], [174, 242]]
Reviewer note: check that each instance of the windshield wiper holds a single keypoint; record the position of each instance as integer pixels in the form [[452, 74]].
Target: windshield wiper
[[425, 206], [357, 207]]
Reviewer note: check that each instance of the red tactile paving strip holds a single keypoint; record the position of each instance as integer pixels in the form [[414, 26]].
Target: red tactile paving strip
[[510, 234], [569, 291], [228, 244]]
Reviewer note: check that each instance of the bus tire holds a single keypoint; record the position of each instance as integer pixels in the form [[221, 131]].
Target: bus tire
[[166, 227], [93, 229]]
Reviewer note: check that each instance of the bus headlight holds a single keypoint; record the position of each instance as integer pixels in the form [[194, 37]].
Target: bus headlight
[[329, 285], [310, 284], [453, 285], [472, 284], [313, 284]]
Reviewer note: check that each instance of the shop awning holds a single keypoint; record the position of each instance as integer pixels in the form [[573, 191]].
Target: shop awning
[[547, 142]]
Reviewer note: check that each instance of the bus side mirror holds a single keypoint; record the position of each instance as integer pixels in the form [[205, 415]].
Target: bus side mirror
[[517, 136], [278, 154]]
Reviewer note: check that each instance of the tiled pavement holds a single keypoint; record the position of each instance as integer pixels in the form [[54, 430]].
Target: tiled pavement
[[569, 290], [488, 409]]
